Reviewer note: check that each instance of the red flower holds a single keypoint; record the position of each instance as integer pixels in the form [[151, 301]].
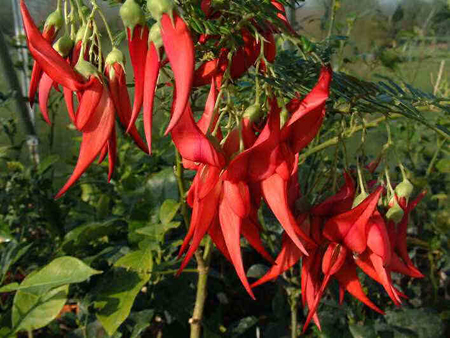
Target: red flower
[[52, 25], [115, 72], [49, 59], [98, 129]]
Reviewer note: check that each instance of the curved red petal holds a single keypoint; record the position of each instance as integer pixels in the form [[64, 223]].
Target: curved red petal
[[180, 52], [45, 86], [231, 224], [95, 135], [88, 104], [274, 190], [138, 46], [152, 65], [288, 256], [49, 59]]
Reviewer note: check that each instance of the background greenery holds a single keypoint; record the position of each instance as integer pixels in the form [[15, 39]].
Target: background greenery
[[110, 227]]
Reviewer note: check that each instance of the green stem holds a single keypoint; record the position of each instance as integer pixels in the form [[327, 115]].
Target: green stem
[[108, 29], [294, 315], [80, 11], [435, 157], [361, 181], [332, 18], [203, 261], [335, 140]]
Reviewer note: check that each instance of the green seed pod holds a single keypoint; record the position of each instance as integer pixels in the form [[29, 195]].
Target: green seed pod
[[131, 14], [159, 7]]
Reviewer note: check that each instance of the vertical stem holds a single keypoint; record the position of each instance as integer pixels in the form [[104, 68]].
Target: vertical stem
[[294, 314], [202, 292], [21, 108], [333, 10], [203, 261], [439, 78]]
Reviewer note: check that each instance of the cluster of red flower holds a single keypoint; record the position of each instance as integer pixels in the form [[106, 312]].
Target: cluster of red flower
[[256, 160]]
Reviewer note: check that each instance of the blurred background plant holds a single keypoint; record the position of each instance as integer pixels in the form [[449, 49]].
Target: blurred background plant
[[131, 228]]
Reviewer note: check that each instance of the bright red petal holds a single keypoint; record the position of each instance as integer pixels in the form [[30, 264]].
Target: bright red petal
[[49, 59], [230, 224], [95, 135], [288, 256], [137, 46], [180, 52], [45, 86], [275, 193]]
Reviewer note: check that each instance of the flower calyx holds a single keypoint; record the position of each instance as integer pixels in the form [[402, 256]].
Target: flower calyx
[[132, 14]]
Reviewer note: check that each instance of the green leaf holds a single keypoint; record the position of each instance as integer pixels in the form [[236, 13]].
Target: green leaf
[[61, 271], [419, 323], [35, 308], [360, 331], [168, 211], [443, 166], [140, 261], [157, 231], [5, 233], [47, 163], [11, 254], [120, 288], [257, 271], [142, 320], [163, 185], [83, 235], [243, 325]]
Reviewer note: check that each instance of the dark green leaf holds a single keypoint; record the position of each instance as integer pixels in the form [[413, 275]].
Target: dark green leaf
[[61, 271], [120, 288]]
